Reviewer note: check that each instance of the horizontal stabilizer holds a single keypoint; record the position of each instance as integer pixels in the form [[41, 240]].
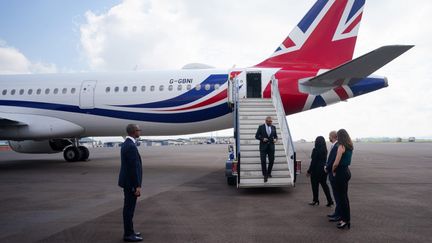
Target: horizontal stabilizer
[[352, 71]]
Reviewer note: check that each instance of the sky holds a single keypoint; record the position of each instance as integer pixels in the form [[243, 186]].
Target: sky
[[48, 36]]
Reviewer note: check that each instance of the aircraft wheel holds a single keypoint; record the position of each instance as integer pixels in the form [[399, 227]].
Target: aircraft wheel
[[72, 154], [85, 153]]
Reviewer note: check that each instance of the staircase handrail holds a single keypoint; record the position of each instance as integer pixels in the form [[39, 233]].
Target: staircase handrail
[[235, 100], [285, 131]]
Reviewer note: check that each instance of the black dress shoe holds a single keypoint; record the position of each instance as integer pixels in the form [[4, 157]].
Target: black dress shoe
[[269, 175], [265, 178], [331, 215], [132, 238], [343, 224], [138, 234], [329, 204], [335, 219], [314, 203]]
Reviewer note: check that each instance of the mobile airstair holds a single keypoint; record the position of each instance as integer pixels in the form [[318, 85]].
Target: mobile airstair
[[249, 113]]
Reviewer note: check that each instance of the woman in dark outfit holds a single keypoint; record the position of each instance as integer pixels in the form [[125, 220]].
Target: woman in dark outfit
[[343, 175], [317, 173]]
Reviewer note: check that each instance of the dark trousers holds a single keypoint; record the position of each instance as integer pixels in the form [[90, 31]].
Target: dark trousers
[[128, 212], [316, 180], [267, 150], [342, 177], [336, 198]]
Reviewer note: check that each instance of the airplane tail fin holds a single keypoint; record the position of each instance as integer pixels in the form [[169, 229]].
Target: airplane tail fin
[[324, 38]]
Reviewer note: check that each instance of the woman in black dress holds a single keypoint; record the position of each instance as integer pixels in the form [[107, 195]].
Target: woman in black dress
[[342, 176], [317, 173]]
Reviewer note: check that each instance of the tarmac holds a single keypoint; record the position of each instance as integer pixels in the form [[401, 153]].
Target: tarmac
[[186, 198]]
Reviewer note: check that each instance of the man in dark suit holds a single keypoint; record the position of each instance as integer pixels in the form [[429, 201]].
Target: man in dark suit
[[328, 168], [267, 135], [130, 179]]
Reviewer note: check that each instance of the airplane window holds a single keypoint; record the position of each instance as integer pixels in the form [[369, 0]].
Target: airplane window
[[4, 92], [125, 89], [161, 88], [116, 89], [107, 89], [207, 87], [38, 91], [73, 90], [134, 88], [179, 88], [170, 88], [64, 91], [189, 87], [152, 88], [198, 87], [12, 92], [47, 91], [143, 88], [55, 91], [30, 91], [216, 86], [21, 92]]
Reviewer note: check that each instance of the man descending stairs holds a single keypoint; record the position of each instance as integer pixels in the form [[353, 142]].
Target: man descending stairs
[[252, 114]]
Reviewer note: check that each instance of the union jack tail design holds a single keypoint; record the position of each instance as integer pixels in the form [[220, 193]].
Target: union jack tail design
[[324, 38]]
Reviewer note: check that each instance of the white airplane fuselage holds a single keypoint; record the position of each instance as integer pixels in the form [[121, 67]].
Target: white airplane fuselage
[[161, 102]]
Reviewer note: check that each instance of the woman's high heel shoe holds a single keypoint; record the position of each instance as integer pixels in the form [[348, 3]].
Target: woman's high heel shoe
[[343, 224], [314, 203], [329, 204]]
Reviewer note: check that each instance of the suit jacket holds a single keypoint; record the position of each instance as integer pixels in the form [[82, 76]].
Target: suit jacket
[[331, 159], [130, 176], [262, 133], [316, 167]]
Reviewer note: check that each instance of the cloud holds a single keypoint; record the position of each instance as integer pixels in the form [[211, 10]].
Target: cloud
[[12, 61], [169, 34], [161, 34]]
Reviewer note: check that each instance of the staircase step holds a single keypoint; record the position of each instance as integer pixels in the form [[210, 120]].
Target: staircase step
[[253, 147], [256, 153], [256, 106], [257, 167], [258, 174], [272, 182], [251, 136], [256, 122], [260, 100], [258, 118], [255, 126], [262, 109], [258, 113], [278, 160], [253, 131]]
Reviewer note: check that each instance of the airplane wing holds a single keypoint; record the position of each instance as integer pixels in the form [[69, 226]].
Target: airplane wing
[[352, 71], [28, 126]]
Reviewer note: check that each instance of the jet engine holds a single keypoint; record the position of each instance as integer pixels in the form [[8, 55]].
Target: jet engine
[[39, 147]]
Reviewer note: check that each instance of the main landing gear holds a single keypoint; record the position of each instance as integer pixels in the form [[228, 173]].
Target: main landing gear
[[75, 152]]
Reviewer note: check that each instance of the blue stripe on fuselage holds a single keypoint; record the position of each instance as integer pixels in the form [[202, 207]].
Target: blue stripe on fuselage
[[185, 117], [188, 97]]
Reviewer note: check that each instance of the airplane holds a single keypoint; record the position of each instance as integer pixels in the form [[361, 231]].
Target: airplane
[[48, 113]]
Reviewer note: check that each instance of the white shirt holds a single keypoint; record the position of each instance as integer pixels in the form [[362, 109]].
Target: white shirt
[[333, 145], [268, 128], [131, 138]]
